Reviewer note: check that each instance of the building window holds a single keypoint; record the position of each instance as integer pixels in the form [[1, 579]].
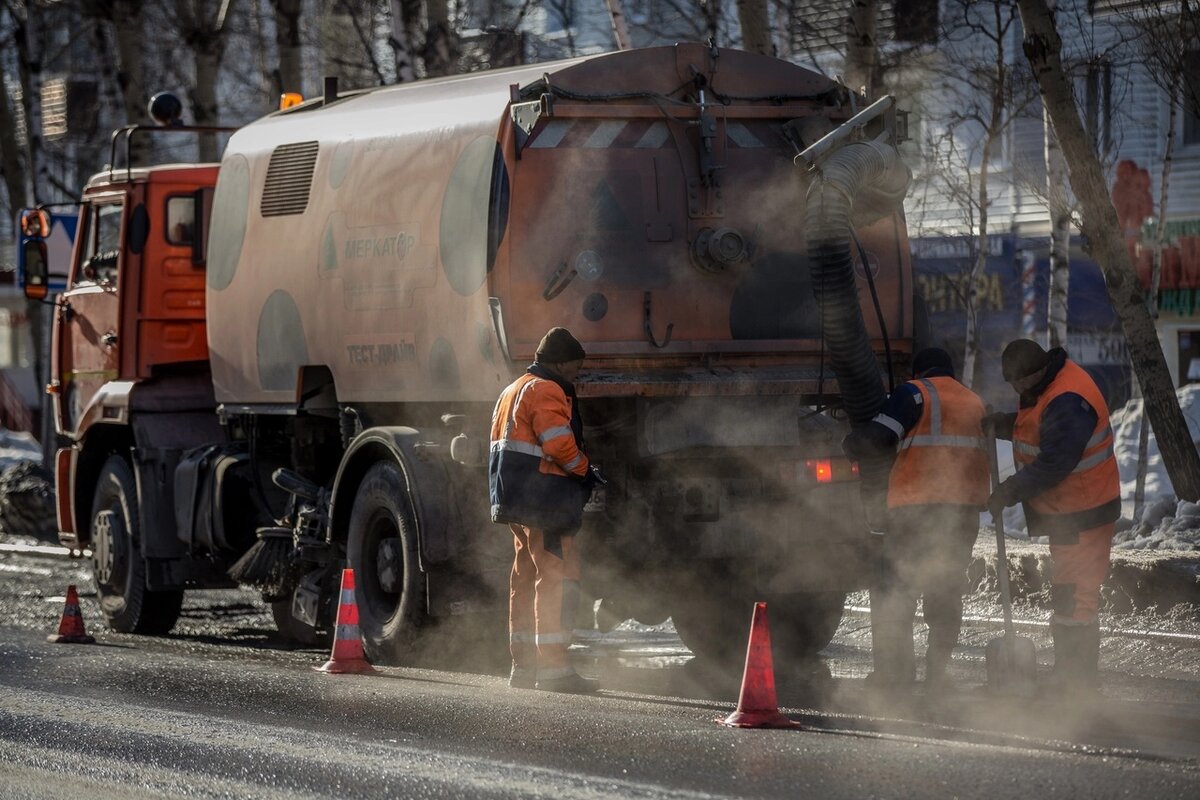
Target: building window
[[1191, 98], [916, 21]]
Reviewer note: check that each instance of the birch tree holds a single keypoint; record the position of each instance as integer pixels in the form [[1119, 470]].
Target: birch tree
[[755, 22], [861, 69], [1101, 229], [288, 75]]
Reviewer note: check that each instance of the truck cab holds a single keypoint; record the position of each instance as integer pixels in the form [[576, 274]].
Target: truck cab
[[129, 335]]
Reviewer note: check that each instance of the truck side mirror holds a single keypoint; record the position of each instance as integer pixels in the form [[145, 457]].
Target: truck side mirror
[[36, 279], [202, 211]]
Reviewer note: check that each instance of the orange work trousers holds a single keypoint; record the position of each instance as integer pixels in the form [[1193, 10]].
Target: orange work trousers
[[542, 600], [1080, 567]]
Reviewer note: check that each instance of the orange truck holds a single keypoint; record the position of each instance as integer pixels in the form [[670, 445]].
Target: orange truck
[[296, 373]]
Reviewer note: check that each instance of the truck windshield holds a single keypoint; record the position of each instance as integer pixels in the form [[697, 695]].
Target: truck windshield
[[102, 249]]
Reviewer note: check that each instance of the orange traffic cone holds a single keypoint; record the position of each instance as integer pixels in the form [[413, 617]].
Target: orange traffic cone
[[347, 653], [70, 627], [757, 706]]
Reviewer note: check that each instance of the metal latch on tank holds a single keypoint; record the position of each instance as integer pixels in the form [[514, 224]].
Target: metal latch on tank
[[648, 328]]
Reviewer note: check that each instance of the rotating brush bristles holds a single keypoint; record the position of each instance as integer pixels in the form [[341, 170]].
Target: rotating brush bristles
[[267, 564]]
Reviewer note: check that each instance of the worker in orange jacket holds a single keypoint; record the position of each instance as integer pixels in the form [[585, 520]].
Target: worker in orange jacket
[[937, 487], [540, 479], [1068, 482]]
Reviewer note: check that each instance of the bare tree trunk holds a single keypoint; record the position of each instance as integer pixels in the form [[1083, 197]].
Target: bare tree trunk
[[402, 45], [289, 76], [1043, 47], [440, 53], [29, 58], [1060, 237], [620, 32], [756, 26], [862, 52], [198, 20], [128, 33], [1160, 235], [999, 93], [12, 166]]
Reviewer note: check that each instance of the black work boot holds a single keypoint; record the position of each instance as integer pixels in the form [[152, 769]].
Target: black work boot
[[1076, 660], [572, 683], [937, 664], [522, 677], [892, 653]]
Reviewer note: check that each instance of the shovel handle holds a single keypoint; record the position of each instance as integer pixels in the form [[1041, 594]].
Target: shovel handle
[[1001, 552]]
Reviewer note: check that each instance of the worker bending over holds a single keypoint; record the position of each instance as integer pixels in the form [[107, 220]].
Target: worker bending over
[[1067, 480], [937, 487], [540, 479]]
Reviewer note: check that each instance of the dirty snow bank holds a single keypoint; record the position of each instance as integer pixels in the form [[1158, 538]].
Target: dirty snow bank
[[26, 489], [1166, 523]]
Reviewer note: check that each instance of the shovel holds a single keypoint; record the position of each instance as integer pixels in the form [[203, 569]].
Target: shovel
[[1011, 660]]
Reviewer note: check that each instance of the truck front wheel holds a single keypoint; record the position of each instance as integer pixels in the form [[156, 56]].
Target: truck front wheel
[[382, 550], [117, 564]]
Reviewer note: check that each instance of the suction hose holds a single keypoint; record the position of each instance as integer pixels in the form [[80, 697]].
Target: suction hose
[[857, 184]]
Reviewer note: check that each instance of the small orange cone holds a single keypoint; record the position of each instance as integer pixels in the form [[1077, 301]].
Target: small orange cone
[[70, 627], [757, 706], [347, 653]]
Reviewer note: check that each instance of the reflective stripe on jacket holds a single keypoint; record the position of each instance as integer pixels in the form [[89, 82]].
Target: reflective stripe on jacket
[[942, 459], [1091, 492], [535, 464]]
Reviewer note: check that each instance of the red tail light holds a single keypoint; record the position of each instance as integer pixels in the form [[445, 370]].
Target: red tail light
[[821, 469]]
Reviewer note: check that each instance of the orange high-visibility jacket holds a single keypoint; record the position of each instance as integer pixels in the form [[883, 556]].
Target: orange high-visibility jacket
[[1094, 483], [536, 463], [943, 458]]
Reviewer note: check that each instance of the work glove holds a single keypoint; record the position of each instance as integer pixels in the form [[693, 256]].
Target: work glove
[[1002, 423], [1003, 496], [854, 447], [593, 478]]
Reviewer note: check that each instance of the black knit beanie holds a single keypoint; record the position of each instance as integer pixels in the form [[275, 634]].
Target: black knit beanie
[[1021, 358], [932, 358], [558, 346]]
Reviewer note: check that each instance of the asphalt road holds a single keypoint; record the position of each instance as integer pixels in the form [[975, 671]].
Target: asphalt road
[[223, 709]]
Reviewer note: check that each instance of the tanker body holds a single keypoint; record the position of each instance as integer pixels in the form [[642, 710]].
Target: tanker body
[[381, 264]]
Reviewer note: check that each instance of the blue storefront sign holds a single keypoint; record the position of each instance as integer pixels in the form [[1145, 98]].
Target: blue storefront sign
[[1009, 300]]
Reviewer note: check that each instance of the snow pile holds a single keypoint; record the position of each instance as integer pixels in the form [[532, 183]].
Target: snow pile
[[1166, 524], [17, 447], [26, 489]]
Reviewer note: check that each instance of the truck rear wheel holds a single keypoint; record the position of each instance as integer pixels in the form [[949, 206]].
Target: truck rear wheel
[[714, 622], [382, 550], [117, 564]]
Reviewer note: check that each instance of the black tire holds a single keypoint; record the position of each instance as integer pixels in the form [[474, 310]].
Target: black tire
[[713, 619], [389, 585], [292, 629], [803, 623], [118, 569]]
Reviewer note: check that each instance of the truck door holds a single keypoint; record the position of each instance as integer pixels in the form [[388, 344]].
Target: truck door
[[89, 312]]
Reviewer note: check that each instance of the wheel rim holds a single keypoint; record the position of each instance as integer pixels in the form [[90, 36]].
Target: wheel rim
[[382, 572], [108, 537]]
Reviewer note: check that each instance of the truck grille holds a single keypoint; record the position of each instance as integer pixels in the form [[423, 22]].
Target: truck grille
[[289, 178]]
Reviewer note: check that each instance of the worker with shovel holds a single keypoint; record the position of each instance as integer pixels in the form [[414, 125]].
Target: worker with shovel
[[1067, 480], [937, 487]]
